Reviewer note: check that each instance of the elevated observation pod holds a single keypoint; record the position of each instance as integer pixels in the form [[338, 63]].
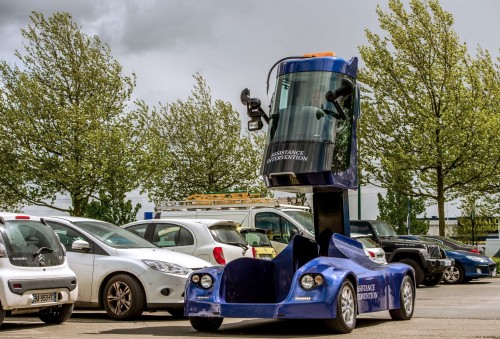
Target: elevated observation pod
[[311, 139]]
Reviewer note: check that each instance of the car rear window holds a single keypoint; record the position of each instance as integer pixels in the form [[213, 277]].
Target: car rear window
[[367, 242], [31, 243], [227, 234]]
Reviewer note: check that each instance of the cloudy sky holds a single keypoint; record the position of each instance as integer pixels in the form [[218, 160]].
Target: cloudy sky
[[232, 43]]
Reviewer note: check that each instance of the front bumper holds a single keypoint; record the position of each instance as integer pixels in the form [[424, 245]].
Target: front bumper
[[438, 265], [163, 290], [297, 310], [481, 271]]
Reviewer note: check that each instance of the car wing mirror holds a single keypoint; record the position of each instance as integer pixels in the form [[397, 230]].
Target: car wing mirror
[[80, 246]]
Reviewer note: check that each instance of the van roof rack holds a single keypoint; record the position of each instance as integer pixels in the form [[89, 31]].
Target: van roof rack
[[231, 201]]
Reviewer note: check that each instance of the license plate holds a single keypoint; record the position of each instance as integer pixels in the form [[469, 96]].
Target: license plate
[[44, 298], [494, 273], [267, 257], [447, 262]]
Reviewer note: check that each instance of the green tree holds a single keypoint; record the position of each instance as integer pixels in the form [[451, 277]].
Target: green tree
[[197, 146], [476, 220], [431, 112], [394, 209], [65, 129], [116, 210]]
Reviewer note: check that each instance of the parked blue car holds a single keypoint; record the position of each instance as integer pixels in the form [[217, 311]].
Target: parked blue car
[[299, 284], [468, 265]]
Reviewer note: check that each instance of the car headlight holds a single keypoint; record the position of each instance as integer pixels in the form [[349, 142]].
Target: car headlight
[[477, 259], [311, 280], [166, 267], [204, 280]]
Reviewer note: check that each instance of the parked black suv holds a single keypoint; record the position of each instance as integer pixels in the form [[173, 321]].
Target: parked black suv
[[428, 260]]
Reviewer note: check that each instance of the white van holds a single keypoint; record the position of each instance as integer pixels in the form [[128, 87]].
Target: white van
[[281, 222], [34, 273]]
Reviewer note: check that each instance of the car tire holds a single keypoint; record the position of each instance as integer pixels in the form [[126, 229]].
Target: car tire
[[56, 314], [123, 297], [419, 271], [433, 279], [2, 314], [454, 275], [206, 324], [177, 313], [347, 309], [406, 300]]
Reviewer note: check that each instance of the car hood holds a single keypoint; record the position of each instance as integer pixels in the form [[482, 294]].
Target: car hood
[[462, 253], [165, 255]]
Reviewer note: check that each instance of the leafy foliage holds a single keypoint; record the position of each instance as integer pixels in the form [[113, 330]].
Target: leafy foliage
[[394, 209], [64, 128], [116, 210], [197, 146], [476, 220], [431, 115]]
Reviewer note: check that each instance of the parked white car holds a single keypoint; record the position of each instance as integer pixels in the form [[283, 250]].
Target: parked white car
[[34, 272], [372, 249], [121, 272], [217, 241]]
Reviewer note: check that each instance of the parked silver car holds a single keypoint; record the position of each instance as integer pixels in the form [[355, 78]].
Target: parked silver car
[[34, 272], [217, 241], [121, 272]]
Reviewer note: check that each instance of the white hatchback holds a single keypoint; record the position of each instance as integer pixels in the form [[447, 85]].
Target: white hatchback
[[121, 272], [34, 273], [217, 241]]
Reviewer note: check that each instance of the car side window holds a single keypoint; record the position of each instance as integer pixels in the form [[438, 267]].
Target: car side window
[[278, 227], [67, 235], [167, 235], [140, 230]]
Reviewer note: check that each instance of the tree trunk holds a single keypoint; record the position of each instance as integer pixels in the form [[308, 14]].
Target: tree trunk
[[440, 202]]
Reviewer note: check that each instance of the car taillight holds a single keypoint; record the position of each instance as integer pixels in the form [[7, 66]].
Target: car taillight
[[219, 255], [22, 217], [475, 250], [254, 252], [372, 254]]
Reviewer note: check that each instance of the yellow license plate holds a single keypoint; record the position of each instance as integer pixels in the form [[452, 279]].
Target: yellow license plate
[[44, 298]]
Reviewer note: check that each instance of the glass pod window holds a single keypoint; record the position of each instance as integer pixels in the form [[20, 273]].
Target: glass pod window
[[300, 111]]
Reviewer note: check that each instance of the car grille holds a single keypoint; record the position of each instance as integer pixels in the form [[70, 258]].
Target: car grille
[[434, 251]]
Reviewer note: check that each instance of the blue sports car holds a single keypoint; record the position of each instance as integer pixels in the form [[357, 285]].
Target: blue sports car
[[468, 265], [299, 284]]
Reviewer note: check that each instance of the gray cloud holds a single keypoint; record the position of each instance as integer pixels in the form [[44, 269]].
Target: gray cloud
[[231, 43]]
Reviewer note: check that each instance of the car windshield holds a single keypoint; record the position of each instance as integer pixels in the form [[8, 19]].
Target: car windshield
[[227, 235], [304, 218], [30, 243], [112, 235], [383, 229], [454, 242]]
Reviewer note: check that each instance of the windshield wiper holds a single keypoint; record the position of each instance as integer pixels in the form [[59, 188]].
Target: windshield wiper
[[42, 250]]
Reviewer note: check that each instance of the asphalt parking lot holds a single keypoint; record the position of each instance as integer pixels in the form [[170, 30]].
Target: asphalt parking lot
[[458, 311]]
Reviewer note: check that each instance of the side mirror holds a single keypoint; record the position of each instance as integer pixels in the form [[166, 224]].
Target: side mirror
[[80, 246]]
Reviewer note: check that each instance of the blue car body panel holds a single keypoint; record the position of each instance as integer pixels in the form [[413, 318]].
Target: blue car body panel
[[257, 288]]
